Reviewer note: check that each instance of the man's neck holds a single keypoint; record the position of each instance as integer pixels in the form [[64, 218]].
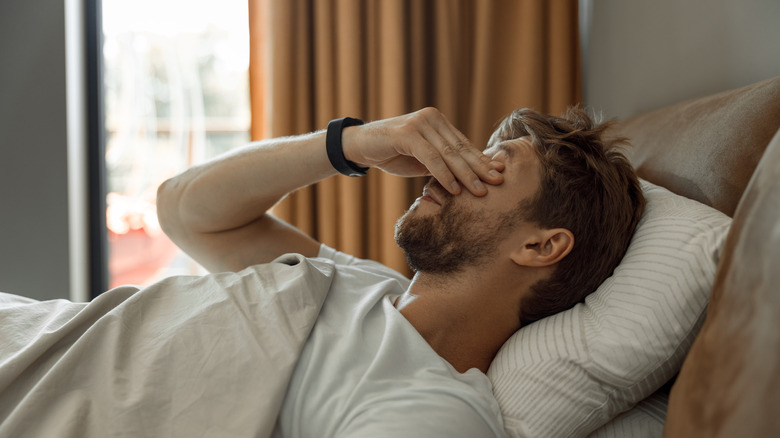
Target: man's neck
[[464, 318]]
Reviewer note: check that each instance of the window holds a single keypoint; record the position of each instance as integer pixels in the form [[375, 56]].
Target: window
[[176, 94]]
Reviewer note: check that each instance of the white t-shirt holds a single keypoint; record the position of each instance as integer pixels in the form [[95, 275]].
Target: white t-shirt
[[365, 371]]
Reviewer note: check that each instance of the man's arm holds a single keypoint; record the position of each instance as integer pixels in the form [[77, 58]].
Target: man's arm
[[217, 212]]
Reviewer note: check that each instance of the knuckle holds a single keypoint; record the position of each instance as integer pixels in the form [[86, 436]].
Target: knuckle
[[461, 147], [415, 123], [431, 115], [428, 111], [449, 149]]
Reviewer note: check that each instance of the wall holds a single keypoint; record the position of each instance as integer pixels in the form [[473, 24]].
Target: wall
[[642, 55], [35, 234]]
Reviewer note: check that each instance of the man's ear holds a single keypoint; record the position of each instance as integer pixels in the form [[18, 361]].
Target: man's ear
[[544, 248]]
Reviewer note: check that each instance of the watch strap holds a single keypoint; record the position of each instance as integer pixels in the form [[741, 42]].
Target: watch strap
[[335, 148]]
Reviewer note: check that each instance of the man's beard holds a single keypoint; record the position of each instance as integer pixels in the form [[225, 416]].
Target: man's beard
[[449, 240]]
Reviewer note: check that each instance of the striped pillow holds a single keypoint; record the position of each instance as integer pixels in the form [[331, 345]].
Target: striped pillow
[[569, 374], [646, 419]]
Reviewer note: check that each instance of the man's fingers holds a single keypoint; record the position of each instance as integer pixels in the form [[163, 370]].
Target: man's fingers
[[427, 139], [478, 162], [459, 161], [432, 158], [487, 169], [453, 157]]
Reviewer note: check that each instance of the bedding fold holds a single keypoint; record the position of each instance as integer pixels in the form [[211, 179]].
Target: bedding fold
[[189, 356]]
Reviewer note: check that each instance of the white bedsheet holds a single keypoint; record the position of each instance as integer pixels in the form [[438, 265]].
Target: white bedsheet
[[188, 356]]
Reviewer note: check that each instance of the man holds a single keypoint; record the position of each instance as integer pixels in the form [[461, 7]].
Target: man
[[499, 238], [319, 343]]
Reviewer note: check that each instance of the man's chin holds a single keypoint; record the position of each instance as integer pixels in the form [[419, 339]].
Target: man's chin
[[434, 246]]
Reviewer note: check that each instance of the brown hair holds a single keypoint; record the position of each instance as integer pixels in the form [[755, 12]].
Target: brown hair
[[587, 187]]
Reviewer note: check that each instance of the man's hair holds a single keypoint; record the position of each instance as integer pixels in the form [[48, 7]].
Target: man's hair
[[587, 187]]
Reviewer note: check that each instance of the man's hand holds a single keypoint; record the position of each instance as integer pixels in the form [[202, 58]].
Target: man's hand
[[421, 144]]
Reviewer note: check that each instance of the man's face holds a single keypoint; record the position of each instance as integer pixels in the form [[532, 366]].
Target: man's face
[[442, 233]]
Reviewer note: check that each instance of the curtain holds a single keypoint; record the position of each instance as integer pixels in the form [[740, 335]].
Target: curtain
[[475, 60]]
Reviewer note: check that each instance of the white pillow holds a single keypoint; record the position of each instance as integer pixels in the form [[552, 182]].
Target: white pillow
[[570, 373]]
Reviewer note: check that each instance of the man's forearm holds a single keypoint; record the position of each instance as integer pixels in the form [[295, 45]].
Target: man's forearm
[[238, 188]]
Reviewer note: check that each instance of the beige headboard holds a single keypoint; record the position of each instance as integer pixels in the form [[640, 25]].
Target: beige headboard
[[706, 148]]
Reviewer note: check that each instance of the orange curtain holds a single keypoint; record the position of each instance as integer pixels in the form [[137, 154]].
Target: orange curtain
[[475, 60]]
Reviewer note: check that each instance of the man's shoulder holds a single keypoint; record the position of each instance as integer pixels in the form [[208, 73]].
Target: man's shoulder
[[359, 266]]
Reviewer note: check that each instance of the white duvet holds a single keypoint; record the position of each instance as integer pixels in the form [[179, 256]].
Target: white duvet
[[188, 356]]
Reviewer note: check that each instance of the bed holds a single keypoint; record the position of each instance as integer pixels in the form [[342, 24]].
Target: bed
[[682, 340]]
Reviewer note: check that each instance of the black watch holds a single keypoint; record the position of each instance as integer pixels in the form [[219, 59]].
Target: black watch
[[335, 149]]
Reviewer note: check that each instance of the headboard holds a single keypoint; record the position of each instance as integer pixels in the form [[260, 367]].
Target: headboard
[[706, 148], [724, 150]]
